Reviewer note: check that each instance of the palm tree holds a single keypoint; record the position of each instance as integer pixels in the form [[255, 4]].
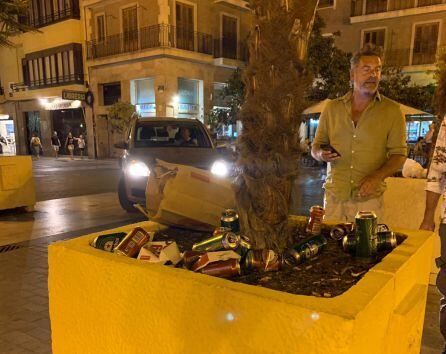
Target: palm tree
[[10, 11], [276, 82]]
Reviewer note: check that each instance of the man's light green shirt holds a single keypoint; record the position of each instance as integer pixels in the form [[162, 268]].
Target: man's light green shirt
[[379, 133]]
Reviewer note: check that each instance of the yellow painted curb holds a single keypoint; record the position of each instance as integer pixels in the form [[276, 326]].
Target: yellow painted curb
[[16, 182], [103, 303]]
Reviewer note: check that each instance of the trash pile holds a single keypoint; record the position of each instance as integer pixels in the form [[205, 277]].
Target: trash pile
[[228, 253]]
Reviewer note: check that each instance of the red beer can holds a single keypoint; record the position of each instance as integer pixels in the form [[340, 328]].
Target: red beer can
[[132, 242], [314, 225], [224, 269]]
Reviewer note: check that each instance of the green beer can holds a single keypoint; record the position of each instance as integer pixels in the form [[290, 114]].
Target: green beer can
[[230, 219], [366, 236], [221, 240]]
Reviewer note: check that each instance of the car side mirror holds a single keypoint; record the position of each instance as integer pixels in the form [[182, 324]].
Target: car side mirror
[[122, 145]]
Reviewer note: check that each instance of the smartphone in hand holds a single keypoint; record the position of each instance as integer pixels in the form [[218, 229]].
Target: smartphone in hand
[[330, 148]]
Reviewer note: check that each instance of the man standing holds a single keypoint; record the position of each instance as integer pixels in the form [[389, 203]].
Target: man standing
[[368, 133], [55, 142], [435, 186]]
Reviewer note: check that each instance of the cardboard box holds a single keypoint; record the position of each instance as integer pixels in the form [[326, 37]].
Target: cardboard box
[[211, 257], [160, 252]]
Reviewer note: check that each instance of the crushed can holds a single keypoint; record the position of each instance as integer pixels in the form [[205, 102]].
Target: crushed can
[[191, 257], [338, 231], [131, 244], [230, 219], [366, 224], [220, 240], [244, 246], [263, 260], [223, 269], [349, 243], [314, 225], [386, 240], [304, 250], [108, 242]]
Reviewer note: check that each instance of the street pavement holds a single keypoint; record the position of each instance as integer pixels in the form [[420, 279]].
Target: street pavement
[[76, 198]]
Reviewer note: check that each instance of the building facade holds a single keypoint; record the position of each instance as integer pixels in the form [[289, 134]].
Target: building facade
[[36, 70], [167, 57], [411, 32]]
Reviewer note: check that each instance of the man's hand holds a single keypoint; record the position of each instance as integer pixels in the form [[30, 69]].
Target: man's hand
[[325, 155], [427, 224], [369, 185]]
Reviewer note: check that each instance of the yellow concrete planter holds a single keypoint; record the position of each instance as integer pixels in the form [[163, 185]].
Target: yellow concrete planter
[[103, 303], [16, 182]]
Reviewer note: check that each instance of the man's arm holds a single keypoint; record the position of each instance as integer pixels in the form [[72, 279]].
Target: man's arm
[[428, 222], [370, 183], [321, 137]]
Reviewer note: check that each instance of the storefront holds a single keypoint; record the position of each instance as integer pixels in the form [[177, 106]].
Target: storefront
[[190, 99], [7, 135], [417, 126], [142, 95]]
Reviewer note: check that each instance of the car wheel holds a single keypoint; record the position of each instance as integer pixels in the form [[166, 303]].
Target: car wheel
[[126, 204]]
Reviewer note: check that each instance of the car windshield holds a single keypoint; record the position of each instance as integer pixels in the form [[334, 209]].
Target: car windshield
[[170, 134]]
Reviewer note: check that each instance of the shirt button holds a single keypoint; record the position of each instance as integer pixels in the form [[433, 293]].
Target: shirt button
[[354, 136], [351, 166], [351, 181], [353, 151]]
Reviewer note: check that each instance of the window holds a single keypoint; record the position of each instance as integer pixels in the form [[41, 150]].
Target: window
[[130, 28], [45, 12], [428, 2], [185, 26], [170, 134], [53, 66], [376, 37], [143, 96], [229, 37], [111, 93], [100, 28], [326, 3], [425, 43], [375, 6], [356, 7]]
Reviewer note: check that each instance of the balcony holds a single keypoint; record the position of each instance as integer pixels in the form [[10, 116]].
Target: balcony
[[164, 36], [370, 7], [402, 57], [37, 20], [48, 82]]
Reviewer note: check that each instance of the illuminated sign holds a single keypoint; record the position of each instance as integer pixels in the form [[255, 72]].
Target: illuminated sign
[[73, 95], [187, 108]]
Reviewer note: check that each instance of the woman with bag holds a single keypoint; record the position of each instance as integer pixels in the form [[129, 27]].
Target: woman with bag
[[35, 146]]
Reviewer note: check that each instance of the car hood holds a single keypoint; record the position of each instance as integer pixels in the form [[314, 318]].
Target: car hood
[[197, 157]]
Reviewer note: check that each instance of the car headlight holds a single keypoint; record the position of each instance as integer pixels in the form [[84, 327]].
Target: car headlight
[[138, 169], [220, 169]]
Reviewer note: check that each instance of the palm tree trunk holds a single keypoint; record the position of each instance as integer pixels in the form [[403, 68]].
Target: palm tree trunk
[[276, 82]]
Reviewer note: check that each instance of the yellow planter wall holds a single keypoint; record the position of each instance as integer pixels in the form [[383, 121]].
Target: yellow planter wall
[[103, 303], [16, 182]]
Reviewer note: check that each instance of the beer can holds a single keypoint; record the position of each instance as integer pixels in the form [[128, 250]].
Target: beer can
[[224, 269], [349, 243], [220, 230], [221, 240], [230, 219], [386, 240], [132, 242], [366, 224], [244, 246], [382, 228], [190, 257], [338, 231], [264, 260], [314, 225], [108, 242], [304, 250]]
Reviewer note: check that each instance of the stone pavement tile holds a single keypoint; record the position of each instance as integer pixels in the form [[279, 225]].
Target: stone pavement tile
[[36, 345], [43, 323], [40, 334], [9, 348], [428, 350], [18, 337]]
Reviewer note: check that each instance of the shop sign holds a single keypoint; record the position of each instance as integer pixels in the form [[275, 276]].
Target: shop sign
[[73, 95], [4, 116], [187, 108], [62, 104]]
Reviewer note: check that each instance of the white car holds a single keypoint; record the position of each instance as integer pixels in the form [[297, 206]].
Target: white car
[[174, 140]]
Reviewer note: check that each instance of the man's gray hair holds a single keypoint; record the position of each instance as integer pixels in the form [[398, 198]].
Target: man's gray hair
[[369, 50]]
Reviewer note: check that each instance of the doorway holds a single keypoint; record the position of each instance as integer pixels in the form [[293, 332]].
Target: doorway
[[32, 120], [69, 120]]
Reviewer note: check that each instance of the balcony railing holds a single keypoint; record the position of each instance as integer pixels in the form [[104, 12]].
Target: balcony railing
[[49, 82], [41, 21], [401, 57], [380, 6], [164, 36], [230, 48]]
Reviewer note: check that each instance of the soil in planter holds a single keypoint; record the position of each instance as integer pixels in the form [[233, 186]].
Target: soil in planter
[[329, 274]]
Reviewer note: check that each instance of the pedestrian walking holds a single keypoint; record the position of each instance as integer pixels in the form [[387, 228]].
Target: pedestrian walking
[[435, 187], [81, 144], [35, 146], [362, 137], [69, 145], [55, 143]]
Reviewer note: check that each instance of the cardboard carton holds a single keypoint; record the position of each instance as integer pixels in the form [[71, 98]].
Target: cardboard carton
[[160, 252]]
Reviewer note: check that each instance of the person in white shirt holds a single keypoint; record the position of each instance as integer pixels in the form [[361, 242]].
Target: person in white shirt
[[435, 187]]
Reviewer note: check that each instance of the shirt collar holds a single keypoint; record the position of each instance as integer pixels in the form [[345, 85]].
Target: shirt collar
[[348, 97]]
